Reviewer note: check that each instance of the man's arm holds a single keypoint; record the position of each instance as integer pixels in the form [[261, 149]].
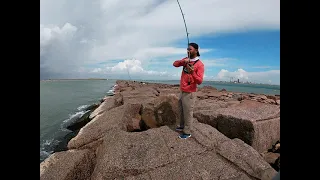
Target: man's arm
[[179, 63], [198, 77]]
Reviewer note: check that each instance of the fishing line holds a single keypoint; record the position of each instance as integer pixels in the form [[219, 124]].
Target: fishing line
[[185, 25], [187, 33]]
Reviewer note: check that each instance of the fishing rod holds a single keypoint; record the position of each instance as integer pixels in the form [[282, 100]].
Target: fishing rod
[[185, 25], [128, 72]]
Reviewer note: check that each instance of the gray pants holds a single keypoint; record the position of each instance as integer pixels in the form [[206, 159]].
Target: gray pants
[[186, 104]]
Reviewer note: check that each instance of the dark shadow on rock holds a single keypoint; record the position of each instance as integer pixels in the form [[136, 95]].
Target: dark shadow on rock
[[164, 114], [63, 141], [143, 126], [235, 128], [276, 165]]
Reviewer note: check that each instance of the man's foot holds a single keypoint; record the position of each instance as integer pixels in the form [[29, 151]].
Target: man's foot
[[179, 129], [184, 136]]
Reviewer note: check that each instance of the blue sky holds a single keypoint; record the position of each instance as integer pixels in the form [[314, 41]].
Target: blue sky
[[105, 38], [253, 50]]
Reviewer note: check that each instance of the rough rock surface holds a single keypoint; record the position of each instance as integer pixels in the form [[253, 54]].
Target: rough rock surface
[[133, 137], [68, 165], [256, 123]]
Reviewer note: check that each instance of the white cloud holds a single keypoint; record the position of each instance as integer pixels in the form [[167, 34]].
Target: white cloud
[[133, 68], [55, 35], [74, 33], [272, 76], [130, 67]]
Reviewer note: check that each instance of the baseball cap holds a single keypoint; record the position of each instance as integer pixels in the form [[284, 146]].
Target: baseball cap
[[194, 45]]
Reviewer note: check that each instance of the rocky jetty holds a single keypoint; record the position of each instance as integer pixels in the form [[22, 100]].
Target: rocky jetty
[[131, 136]]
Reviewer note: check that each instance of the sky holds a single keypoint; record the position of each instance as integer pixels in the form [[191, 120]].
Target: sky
[[141, 39]]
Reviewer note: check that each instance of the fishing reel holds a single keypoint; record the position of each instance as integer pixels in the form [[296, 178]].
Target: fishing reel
[[186, 69]]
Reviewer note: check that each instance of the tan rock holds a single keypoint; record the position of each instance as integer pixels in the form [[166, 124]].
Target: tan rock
[[161, 111], [116, 118], [128, 154], [109, 103], [245, 157], [257, 124], [68, 165]]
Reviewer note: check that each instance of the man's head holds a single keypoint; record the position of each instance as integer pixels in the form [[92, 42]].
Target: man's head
[[193, 49]]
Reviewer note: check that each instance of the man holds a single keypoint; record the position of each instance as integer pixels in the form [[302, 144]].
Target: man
[[191, 76]]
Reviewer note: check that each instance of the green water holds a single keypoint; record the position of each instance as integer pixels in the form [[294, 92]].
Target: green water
[[235, 87], [63, 100]]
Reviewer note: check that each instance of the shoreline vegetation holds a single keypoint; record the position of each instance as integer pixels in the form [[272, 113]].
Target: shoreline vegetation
[[130, 135]]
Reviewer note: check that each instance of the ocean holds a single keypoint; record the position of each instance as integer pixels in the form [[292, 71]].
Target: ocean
[[63, 101]]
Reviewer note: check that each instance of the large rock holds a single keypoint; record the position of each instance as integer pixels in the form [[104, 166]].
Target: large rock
[[266, 133], [139, 95], [207, 165], [257, 124], [167, 91], [97, 127], [207, 89], [125, 154], [109, 103], [117, 118], [209, 104], [131, 117], [245, 157], [207, 117], [161, 111], [159, 154], [206, 135], [68, 165]]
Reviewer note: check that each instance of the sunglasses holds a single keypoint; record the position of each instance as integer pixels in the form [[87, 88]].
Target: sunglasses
[[188, 49]]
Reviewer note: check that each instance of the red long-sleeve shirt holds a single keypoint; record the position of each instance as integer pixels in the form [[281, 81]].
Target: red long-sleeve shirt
[[196, 76]]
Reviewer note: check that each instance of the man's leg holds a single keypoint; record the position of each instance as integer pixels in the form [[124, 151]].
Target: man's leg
[[187, 105], [180, 121]]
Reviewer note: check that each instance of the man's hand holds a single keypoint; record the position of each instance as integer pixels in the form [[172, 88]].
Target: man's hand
[[186, 60]]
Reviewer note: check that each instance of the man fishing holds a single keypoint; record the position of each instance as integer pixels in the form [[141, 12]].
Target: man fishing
[[191, 76]]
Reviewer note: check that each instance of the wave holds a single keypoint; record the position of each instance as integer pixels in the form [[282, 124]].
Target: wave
[[47, 148], [76, 115], [61, 138], [111, 91], [82, 107]]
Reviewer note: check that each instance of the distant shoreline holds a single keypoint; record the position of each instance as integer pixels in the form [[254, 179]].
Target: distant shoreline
[[73, 79], [141, 80]]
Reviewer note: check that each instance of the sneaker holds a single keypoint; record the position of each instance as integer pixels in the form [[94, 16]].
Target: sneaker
[[184, 136], [179, 129]]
